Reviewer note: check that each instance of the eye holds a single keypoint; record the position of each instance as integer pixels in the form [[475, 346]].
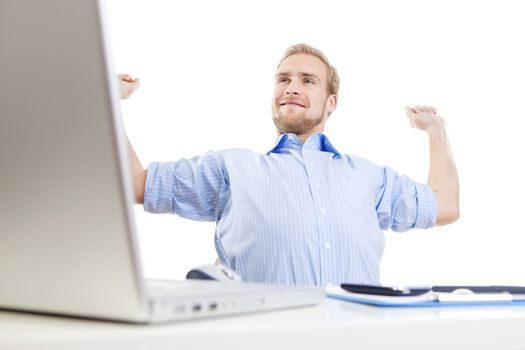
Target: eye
[[309, 81], [283, 80]]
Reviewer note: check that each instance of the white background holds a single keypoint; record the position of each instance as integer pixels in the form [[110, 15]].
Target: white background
[[207, 68]]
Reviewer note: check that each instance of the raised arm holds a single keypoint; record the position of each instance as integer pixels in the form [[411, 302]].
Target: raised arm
[[127, 86], [442, 175]]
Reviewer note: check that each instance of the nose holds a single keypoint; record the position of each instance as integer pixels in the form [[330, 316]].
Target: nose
[[292, 88]]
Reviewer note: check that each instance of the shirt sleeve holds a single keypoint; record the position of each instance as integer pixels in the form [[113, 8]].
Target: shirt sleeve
[[190, 188], [402, 204]]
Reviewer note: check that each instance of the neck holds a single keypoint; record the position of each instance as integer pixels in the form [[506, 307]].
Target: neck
[[304, 136]]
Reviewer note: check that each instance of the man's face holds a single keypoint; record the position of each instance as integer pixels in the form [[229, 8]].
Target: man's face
[[301, 101]]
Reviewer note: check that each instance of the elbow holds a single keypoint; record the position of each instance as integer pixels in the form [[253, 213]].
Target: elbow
[[448, 207], [139, 179], [139, 198], [447, 216]]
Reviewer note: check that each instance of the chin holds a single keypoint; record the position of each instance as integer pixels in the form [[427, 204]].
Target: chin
[[291, 116]]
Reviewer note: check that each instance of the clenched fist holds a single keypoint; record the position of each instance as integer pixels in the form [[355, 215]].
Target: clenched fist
[[424, 118]]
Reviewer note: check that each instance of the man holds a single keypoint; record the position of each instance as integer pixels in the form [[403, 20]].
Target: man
[[303, 213]]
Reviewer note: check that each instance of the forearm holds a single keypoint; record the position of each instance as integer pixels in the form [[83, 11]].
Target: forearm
[[139, 175], [443, 175]]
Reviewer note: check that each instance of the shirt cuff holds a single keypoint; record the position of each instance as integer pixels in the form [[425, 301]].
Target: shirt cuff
[[426, 206], [158, 190]]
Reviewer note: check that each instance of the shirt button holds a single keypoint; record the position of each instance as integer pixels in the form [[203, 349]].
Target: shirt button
[[318, 185], [327, 245], [323, 210], [312, 165]]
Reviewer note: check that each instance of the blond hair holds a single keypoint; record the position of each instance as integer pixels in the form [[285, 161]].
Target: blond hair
[[333, 77]]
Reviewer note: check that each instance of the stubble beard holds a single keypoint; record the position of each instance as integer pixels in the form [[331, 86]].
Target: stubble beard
[[297, 124]]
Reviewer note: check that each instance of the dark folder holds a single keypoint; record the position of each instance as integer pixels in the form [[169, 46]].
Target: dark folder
[[429, 296]]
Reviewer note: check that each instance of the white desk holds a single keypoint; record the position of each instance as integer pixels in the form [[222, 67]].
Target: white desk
[[329, 325]]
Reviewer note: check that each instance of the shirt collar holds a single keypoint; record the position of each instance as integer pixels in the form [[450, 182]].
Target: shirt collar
[[316, 142]]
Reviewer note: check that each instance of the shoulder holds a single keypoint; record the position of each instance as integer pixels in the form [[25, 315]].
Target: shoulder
[[360, 163], [234, 154], [235, 151]]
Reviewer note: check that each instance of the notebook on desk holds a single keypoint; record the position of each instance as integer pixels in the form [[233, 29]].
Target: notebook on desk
[[436, 296], [68, 242]]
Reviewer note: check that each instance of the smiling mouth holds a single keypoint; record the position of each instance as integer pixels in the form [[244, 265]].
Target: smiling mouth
[[292, 103]]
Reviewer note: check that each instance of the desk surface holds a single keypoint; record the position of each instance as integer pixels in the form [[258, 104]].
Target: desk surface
[[328, 324]]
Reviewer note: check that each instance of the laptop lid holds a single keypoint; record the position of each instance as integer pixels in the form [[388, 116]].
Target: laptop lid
[[65, 193]]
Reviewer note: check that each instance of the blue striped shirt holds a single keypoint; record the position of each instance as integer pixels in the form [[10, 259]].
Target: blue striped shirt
[[300, 214]]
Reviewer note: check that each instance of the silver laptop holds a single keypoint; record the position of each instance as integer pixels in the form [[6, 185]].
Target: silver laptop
[[67, 235]]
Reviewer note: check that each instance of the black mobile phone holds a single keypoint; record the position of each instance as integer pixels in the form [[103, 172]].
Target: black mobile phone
[[383, 290]]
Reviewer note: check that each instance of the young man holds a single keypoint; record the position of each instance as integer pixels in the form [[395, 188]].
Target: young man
[[303, 213]]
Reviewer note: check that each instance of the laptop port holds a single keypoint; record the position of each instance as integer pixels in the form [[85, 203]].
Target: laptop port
[[213, 306], [179, 309], [197, 307]]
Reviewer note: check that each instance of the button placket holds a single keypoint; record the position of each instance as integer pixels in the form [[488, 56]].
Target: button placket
[[321, 212]]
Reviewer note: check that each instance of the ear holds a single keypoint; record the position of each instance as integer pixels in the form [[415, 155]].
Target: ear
[[331, 103]]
